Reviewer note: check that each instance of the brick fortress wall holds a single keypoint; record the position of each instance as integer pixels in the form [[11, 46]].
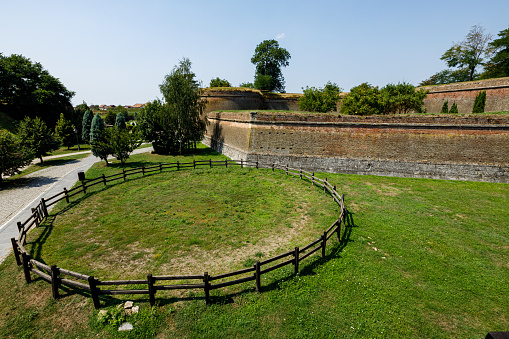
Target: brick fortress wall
[[464, 93], [462, 148]]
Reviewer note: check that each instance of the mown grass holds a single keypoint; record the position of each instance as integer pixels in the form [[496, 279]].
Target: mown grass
[[425, 259]]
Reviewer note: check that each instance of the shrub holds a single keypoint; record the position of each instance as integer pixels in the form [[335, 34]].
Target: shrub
[[120, 121], [320, 99], [110, 117], [402, 98], [454, 108], [362, 100], [219, 83], [13, 155], [64, 131], [480, 102], [445, 107], [247, 85]]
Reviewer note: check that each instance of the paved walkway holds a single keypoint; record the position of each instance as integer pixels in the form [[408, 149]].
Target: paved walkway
[[16, 203]]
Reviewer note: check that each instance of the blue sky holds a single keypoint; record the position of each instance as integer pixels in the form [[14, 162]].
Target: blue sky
[[117, 52]]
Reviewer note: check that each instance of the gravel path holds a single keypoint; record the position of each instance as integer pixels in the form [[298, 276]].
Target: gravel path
[[16, 203]]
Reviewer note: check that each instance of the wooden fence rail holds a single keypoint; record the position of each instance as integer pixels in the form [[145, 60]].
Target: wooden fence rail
[[53, 274]]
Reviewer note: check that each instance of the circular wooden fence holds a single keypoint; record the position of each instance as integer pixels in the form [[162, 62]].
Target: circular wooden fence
[[58, 276]]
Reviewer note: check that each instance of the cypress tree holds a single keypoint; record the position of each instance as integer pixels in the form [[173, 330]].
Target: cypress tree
[[120, 121], [99, 147], [480, 102], [86, 125], [454, 108], [445, 107]]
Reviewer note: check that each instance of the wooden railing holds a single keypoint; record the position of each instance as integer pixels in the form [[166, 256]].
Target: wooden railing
[[58, 276]]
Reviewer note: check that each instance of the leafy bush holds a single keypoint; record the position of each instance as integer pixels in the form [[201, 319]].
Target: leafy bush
[[320, 99], [247, 85], [110, 117], [13, 155], [480, 102], [454, 108], [219, 83], [64, 131], [445, 107], [362, 100], [402, 98]]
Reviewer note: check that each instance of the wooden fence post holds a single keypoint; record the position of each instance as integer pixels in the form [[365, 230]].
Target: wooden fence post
[[241, 163], [151, 290], [207, 287], [256, 164], [123, 173], [313, 179], [325, 186], [143, 170], [54, 281], [296, 262], [44, 208], [94, 291], [194, 163], [34, 211], [26, 267], [338, 230], [84, 187], [19, 226], [104, 179], [257, 276], [324, 243], [226, 163], [16, 251], [286, 169], [300, 173], [273, 167], [66, 195], [210, 162]]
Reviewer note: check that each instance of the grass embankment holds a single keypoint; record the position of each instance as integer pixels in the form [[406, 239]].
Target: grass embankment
[[426, 259]]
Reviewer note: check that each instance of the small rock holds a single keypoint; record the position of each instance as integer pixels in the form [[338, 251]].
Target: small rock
[[126, 327], [128, 304], [135, 309]]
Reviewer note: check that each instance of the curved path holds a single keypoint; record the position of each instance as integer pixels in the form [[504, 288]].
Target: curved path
[[16, 203]]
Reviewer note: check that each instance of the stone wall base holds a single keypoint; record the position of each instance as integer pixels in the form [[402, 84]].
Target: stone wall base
[[380, 167]]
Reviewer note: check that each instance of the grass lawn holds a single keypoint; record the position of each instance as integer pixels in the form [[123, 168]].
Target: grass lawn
[[72, 149], [425, 258]]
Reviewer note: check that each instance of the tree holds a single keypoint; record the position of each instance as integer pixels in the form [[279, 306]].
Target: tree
[[320, 99], [219, 83], [362, 100], [247, 85], [13, 155], [446, 77], [498, 66], [100, 148], [119, 142], [454, 108], [86, 126], [470, 53], [402, 98], [445, 107], [177, 124], [64, 131], [27, 89], [77, 117], [269, 58], [479, 102], [120, 121], [36, 136], [110, 117]]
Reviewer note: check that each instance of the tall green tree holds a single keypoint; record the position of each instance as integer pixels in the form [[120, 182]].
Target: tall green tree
[[479, 102], [36, 135], [100, 148], [178, 122], [86, 125], [268, 59], [64, 131], [498, 66], [77, 118], [470, 53], [402, 98], [445, 107], [120, 121], [320, 99], [27, 89], [362, 100], [13, 154]]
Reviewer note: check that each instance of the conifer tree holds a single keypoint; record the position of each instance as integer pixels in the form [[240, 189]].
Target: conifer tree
[[120, 121], [100, 148], [480, 102], [445, 107], [454, 108], [86, 125]]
